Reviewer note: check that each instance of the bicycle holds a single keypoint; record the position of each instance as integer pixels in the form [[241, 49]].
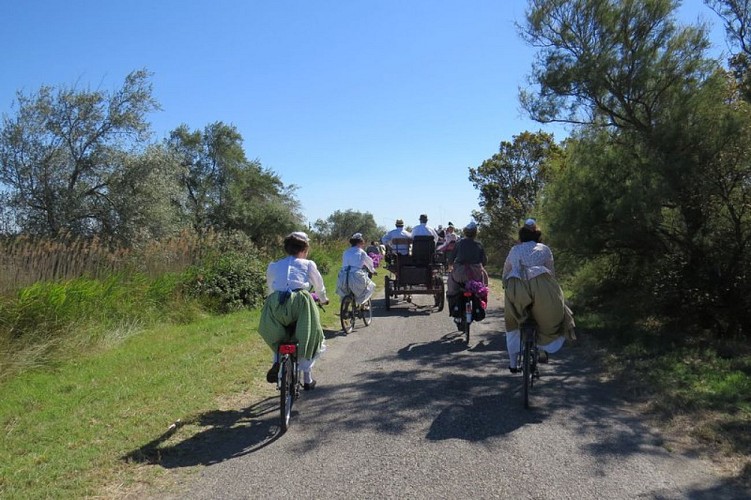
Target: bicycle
[[527, 357], [350, 310], [464, 320]]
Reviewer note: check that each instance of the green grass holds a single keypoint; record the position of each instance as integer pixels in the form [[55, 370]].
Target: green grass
[[69, 426], [67, 430], [696, 387]]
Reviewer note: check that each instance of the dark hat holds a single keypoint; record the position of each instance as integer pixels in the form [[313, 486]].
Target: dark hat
[[423, 218], [399, 222]]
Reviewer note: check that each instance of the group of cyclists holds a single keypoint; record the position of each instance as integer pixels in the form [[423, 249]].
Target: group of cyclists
[[528, 279]]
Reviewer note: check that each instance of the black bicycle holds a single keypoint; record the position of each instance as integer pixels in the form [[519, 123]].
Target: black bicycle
[[464, 320], [288, 382], [527, 357], [350, 311]]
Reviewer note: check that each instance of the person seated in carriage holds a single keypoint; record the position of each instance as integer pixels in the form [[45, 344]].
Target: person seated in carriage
[[401, 235]]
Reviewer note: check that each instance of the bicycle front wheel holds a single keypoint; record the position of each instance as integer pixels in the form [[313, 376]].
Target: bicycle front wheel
[[465, 325], [367, 312], [347, 313], [286, 392]]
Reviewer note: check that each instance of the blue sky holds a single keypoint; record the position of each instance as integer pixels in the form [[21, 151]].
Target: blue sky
[[379, 107]]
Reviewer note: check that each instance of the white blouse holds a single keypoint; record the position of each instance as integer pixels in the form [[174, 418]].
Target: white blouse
[[528, 260], [355, 257], [291, 273]]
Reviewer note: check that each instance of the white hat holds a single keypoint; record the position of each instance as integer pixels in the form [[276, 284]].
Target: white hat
[[357, 236], [300, 236]]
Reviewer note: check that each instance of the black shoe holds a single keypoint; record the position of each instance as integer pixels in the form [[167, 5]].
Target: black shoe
[[542, 356], [310, 386], [513, 370], [273, 374]]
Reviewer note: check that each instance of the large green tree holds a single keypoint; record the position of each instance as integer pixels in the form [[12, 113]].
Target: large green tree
[[657, 177], [224, 190], [343, 224], [736, 17], [510, 182], [68, 157]]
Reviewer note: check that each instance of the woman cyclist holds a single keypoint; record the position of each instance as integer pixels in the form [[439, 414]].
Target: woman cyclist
[[291, 281], [468, 261], [529, 281], [357, 268]]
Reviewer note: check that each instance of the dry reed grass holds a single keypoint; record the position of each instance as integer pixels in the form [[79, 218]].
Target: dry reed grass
[[26, 260]]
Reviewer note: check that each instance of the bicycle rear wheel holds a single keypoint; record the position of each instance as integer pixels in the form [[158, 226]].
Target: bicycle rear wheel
[[367, 312], [347, 313], [526, 370], [286, 392]]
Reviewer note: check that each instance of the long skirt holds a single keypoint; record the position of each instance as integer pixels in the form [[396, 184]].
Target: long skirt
[[277, 315], [356, 281], [549, 310]]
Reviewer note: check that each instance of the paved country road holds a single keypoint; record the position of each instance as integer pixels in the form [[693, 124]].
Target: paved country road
[[404, 409]]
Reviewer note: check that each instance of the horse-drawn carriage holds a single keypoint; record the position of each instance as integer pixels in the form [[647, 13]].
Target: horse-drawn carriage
[[418, 273]]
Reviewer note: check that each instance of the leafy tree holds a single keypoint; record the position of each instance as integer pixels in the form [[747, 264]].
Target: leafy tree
[[510, 181], [66, 153], [341, 225], [736, 15], [658, 175], [224, 190]]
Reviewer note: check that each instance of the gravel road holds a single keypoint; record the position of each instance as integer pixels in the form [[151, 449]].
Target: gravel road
[[405, 409]]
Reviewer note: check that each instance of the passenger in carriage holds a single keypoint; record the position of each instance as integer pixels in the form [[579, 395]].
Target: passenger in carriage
[[423, 229], [397, 233]]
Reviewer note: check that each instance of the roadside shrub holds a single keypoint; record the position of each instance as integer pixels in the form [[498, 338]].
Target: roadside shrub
[[231, 282]]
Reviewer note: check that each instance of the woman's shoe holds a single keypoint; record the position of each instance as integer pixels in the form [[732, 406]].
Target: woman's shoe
[[310, 386], [542, 356], [273, 374], [513, 370]]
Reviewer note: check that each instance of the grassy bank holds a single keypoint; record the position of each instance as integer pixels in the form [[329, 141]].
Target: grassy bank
[[696, 388]]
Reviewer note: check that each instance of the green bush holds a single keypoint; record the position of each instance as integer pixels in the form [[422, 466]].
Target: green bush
[[231, 282]]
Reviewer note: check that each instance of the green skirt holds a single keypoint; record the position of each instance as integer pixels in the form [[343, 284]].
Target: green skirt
[[299, 307]]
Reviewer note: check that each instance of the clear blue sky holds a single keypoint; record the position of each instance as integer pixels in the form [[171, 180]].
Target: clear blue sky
[[376, 106]]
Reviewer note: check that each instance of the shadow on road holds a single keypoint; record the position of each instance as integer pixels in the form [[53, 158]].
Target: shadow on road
[[223, 435]]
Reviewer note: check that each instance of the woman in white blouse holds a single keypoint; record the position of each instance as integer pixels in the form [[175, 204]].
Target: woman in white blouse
[[357, 268], [290, 282], [531, 287]]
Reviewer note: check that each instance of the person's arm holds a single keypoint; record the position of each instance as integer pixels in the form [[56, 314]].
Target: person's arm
[[549, 261], [316, 280], [269, 279], [367, 262]]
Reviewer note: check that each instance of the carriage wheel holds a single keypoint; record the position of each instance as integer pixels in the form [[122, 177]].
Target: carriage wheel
[[387, 286], [440, 295]]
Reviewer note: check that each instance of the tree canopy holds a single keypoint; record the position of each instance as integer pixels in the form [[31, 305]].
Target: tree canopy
[[654, 194], [83, 163]]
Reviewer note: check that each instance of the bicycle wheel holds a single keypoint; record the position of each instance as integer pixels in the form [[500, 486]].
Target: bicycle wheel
[[526, 368], [367, 312], [347, 313], [286, 392]]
